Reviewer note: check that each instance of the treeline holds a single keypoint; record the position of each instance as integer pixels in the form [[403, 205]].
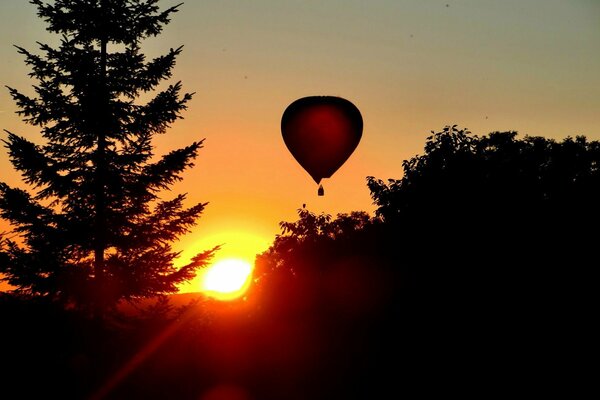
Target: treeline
[[496, 217], [477, 268], [474, 275]]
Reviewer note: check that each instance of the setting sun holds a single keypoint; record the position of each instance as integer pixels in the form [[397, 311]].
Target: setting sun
[[227, 279]]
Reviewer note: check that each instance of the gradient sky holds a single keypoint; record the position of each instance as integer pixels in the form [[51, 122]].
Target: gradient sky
[[410, 66]]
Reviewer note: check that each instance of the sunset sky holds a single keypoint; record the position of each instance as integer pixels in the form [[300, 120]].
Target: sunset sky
[[410, 66]]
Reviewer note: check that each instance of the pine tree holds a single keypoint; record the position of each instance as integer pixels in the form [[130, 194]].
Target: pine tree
[[93, 229]]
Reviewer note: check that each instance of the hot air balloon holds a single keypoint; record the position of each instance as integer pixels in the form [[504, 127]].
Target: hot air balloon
[[321, 132]]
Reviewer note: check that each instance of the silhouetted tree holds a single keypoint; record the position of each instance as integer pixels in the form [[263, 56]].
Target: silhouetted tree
[[497, 224], [461, 174], [311, 240], [325, 277], [95, 229], [480, 259]]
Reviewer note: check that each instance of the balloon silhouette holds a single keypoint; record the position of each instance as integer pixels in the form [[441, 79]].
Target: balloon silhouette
[[321, 132]]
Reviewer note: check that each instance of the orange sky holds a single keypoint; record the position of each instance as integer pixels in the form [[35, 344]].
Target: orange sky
[[410, 66]]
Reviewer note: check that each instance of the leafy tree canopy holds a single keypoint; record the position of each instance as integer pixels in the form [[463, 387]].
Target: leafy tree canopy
[[477, 225]]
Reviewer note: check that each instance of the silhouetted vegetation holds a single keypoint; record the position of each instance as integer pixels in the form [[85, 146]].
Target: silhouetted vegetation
[[95, 229], [476, 220], [496, 217], [479, 259], [473, 276]]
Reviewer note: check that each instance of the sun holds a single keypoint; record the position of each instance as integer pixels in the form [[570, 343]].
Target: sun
[[227, 279]]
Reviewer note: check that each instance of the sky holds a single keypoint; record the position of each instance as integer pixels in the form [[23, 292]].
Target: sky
[[410, 66]]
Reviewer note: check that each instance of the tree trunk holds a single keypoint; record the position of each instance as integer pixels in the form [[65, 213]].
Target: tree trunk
[[100, 180]]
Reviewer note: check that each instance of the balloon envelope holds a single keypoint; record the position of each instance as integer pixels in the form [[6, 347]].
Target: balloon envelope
[[321, 132]]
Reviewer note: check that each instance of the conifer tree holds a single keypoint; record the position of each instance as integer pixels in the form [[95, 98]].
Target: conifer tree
[[93, 228]]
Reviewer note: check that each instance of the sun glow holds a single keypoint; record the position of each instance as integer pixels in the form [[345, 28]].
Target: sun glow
[[227, 279]]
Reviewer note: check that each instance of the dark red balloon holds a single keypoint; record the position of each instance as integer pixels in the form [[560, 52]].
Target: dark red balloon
[[321, 132]]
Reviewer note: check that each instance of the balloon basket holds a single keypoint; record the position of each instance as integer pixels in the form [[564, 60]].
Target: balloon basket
[[321, 191]]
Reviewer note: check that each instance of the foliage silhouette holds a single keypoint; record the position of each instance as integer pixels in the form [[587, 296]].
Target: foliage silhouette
[[309, 238], [472, 277], [477, 257], [496, 212], [95, 229]]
